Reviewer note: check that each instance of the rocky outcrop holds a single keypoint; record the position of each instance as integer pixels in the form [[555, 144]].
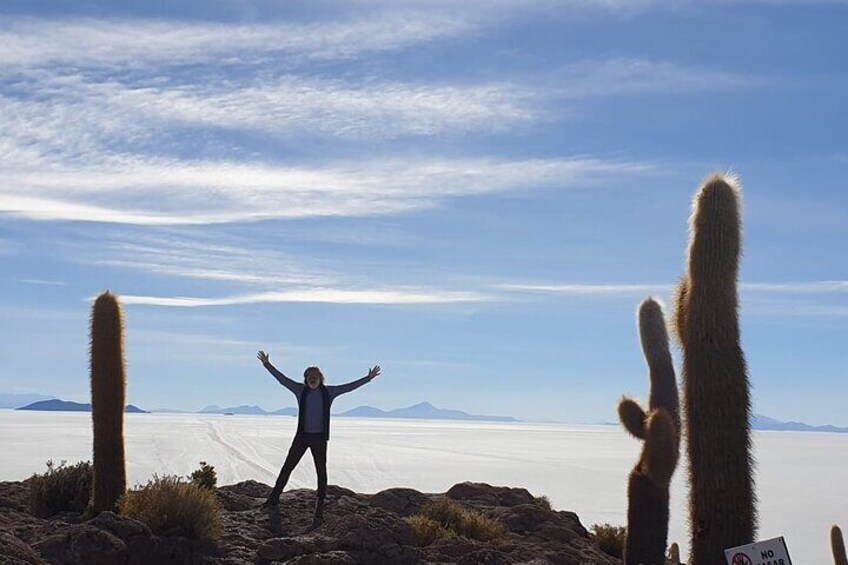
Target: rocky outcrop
[[359, 529]]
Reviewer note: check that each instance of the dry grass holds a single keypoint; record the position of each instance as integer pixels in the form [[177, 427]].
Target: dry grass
[[427, 530], [60, 489], [172, 507], [543, 501], [443, 517], [610, 538]]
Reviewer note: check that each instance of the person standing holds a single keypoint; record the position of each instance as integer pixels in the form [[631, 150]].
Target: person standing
[[314, 400]]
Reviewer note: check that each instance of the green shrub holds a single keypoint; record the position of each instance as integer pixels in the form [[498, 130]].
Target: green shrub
[[427, 530], [205, 476], [461, 521], [170, 506], [610, 538], [60, 489]]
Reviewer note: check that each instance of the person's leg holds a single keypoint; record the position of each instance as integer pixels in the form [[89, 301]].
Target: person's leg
[[296, 451], [319, 456]]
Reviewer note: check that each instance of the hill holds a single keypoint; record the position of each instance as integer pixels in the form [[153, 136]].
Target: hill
[[56, 405], [423, 411]]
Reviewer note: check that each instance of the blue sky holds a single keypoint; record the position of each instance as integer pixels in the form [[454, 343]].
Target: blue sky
[[474, 195]]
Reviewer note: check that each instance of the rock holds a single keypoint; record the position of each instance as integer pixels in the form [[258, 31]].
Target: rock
[[253, 489], [122, 527], [358, 529], [15, 552], [14, 495], [82, 544], [487, 494], [328, 558], [485, 557], [401, 501], [283, 549], [521, 518]]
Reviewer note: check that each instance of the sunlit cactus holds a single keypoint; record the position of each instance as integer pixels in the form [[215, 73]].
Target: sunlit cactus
[[659, 428], [716, 396], [108, 384]]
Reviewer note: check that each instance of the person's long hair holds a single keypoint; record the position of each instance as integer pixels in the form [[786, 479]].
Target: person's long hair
[[311, 370]]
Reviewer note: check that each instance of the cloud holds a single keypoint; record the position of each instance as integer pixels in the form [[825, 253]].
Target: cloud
[[65, 109], [82, 42], [43, 282], [627, 76], [151, 191], [583, 289], [812, 287], [396, 296]]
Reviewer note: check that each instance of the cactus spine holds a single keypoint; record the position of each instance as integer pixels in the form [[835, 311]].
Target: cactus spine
[[716, 394], [659, 428], [108, 385], [837, 545]]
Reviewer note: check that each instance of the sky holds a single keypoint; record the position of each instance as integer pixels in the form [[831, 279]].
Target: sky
[[475, 196]]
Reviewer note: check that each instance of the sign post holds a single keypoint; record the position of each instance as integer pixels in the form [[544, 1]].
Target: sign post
[[767, 552]]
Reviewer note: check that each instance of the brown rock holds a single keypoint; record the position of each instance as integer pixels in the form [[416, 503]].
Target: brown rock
[[487, 494], [328, 558], [82, 544], [15, 552], [401, 501]]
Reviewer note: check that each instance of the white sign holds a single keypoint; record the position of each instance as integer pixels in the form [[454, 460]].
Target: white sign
[[767, 552]]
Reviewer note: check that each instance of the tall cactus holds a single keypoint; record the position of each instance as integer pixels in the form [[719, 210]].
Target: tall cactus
[[837, 545], [659, 428], [108, 383], [716, 396]]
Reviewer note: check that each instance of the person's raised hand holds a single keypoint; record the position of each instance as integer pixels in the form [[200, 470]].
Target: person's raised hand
[[374, 372], [263, 357]]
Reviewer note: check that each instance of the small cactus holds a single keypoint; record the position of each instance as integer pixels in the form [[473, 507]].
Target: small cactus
[[659, 429], [716, 395], [837, 545], [108, 384]]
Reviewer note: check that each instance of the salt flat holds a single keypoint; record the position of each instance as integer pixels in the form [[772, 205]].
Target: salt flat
[[802, 482]]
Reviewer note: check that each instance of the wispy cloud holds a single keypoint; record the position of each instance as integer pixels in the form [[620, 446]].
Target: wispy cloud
[[588, 289], [98, 42], [167, 192], [409, 296], [615, 77], [811, 287], [43, 282], [287, 105]]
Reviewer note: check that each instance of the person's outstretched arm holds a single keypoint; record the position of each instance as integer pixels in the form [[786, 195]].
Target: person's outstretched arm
[[293, 386], [337, 390]]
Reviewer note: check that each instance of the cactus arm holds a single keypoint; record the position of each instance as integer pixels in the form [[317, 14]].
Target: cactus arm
[[837, 545], [632, 417], [661, 449]]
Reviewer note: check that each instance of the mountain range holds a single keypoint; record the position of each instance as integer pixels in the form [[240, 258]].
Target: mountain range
[[422, 410], [56, 405]]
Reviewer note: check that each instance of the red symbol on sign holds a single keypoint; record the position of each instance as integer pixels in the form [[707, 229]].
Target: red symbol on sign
[[741, 559]]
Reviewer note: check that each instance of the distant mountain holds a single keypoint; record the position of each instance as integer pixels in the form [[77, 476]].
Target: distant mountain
[[15, 400], [284, 412], [760, 422], [244, 409], [169, 411], [56, 405], [422, 410]]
